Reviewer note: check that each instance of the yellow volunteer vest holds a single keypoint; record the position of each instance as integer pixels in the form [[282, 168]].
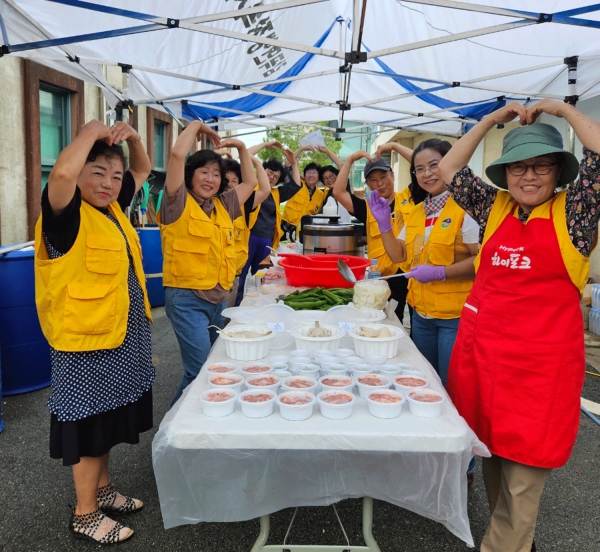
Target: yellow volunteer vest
[[444, 246], [82, 297], [277, 231], [578, 265], [241, 235], [375, 247], [198, 250], [302, 204], [406, 204]]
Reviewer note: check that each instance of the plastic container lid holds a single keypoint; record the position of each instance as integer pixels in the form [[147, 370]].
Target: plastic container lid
[[346, 317], [281, 319]]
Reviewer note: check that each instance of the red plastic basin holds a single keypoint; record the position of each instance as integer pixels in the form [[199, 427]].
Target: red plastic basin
[[321, 270]]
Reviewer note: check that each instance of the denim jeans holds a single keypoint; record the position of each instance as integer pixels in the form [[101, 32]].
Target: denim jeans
[[190, 317], [258, 249], [435, 340]]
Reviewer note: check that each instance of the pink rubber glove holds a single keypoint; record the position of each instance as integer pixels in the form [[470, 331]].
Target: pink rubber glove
[[380, 208], [427, 273]]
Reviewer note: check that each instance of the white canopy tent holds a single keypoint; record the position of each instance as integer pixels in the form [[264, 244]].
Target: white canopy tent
[[431, 65]]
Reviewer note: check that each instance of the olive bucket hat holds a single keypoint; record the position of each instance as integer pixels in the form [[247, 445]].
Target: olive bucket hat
[[532, 141]]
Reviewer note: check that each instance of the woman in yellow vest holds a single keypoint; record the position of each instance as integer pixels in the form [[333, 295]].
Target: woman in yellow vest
[[265, 220], [378, 176], [241, 225], [437, 247], [94, 311], [518, 366], [198, 243]]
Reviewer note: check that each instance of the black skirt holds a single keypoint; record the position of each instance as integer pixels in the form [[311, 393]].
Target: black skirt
[[97, 434]]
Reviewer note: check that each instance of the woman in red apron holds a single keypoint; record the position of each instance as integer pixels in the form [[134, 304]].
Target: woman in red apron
[[518, 364]]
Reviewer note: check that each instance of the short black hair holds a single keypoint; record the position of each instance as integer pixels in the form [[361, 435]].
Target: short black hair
[[328, 168], [442, 147], [101, 148], [200, 159], [275, 165], [312, 167], [231, 165]]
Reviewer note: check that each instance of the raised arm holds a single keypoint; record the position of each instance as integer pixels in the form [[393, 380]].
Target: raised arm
[[334, 158], [264, 187], [248, 183], [269, 145], [340, 192], [139, 162], [586, 129], [63, 178], [393, 146], [461, 152], [176, 164], [291, 160]]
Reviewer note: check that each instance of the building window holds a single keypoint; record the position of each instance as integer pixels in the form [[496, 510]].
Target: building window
[[160, 145], [55, 126]]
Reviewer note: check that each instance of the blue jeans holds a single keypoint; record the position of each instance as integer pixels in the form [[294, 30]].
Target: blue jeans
[[190, 317], [258, 249], [435, 340]]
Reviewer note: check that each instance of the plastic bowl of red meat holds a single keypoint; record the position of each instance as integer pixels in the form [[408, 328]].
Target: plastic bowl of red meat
[[385, 404], [217, 403], [257, 403], [296, 405], [426, 403], [336, 405], [371, 382]]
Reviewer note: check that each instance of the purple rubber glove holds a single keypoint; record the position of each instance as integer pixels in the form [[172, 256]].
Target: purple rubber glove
[[427, 273], [380, 208]]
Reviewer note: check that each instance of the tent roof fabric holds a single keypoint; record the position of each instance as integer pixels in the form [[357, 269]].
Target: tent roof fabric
[[430, 65]]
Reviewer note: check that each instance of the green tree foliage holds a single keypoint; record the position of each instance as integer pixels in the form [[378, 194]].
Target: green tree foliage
[[290, 139]]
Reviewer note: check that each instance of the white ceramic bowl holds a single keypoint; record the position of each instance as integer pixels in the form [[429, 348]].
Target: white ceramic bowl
[[390, 370], [308, 370], [258, 382], [257, 409], [360, 369], [296, 412], [299, 353], [255, 369], [406, 382], [226, 381], [329, 382], [365, 388], [390, 408], [221, 368], [316, 343], [215, 405], [386, 346], [253, 348], [289, 384], [336, 411], [422, 408], [344, 353]]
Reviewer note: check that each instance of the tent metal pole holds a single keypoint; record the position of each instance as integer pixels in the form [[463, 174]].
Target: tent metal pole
[[451, 38], [291, 79], [476, 8]]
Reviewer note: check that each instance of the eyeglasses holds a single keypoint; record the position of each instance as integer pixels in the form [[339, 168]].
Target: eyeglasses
[[420, 171], [312, 172], [329, 178], [519, 169]]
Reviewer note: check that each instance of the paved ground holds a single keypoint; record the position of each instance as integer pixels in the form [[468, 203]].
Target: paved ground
[[36, 492]]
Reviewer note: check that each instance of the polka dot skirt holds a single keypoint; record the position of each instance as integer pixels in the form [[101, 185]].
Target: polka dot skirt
[[90, 382]]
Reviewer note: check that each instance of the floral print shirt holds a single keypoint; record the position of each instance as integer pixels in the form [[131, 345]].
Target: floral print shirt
[[477, 197]]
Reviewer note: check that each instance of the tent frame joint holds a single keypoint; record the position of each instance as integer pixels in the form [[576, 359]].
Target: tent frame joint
[[235, 87], [355, 57], [544, 18], [172, 23], [455, 84], [4, 50], [572, 100], [125, 67], [344, 105], [345, 68], [73, 59]]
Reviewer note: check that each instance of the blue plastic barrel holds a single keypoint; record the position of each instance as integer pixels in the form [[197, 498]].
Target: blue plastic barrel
[[24, 351], [152, 262]]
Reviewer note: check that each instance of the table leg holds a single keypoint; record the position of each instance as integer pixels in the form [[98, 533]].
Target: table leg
[[263, 536], [368, 525]]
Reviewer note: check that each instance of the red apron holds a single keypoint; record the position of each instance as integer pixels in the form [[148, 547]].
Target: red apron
[[518, 364]]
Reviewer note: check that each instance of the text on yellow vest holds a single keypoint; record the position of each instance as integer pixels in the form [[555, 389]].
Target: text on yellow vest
[[375, 247], [444, 246], [82, 297], [577, 265], [199, 250], [302, 204]]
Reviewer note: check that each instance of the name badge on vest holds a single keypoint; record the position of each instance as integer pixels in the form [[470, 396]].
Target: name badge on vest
[[446, 222]]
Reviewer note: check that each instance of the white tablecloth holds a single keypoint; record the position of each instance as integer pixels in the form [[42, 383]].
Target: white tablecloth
[[236, 468]]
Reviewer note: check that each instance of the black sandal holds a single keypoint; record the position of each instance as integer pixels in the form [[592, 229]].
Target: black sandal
[[86, 526], [107, 497]]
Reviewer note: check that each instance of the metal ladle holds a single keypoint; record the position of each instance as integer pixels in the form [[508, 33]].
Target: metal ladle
[[348, 275]]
